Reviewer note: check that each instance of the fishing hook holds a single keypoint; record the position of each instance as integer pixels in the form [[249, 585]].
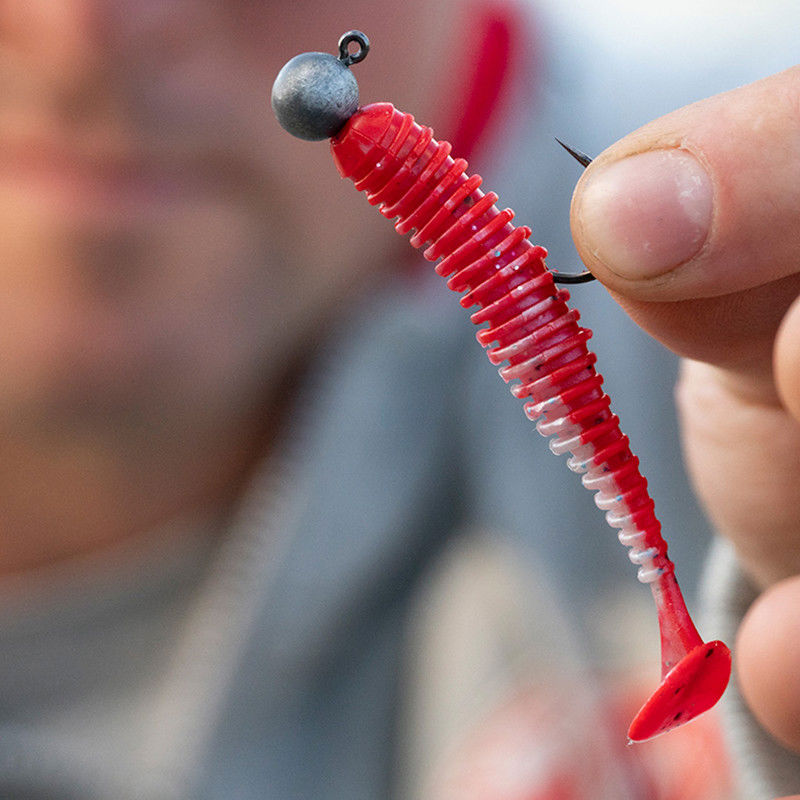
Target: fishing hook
[[585, 276]]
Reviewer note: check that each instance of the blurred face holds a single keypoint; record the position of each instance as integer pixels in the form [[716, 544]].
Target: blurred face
[[164, 247]]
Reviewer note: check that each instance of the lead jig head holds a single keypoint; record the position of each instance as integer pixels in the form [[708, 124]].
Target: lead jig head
[[315, 93]]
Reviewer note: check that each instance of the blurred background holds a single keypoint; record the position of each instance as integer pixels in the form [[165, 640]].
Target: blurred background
[[270, 525]]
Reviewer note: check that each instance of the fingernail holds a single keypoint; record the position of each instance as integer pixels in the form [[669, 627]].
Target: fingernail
[[646, 214]]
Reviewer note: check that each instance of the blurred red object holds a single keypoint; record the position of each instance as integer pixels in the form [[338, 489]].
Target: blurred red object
[[499, 43], [552, 743]]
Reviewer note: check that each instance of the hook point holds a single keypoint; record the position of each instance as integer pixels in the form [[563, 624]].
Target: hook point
[[580, 157]]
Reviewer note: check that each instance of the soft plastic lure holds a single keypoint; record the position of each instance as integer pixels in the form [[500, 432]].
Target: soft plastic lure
[[527, 327]]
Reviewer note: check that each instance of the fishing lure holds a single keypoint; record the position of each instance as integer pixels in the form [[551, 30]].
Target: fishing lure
[[528, 330]]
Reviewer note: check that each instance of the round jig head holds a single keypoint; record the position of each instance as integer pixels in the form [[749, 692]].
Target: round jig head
[[315, 93]]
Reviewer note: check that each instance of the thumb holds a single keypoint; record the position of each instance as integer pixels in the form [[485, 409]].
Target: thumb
[[693, 222]]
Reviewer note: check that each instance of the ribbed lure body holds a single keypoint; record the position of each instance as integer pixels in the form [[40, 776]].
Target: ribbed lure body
[[531, 333]]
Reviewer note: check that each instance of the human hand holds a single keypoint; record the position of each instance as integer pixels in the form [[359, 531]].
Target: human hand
[[693, 224]]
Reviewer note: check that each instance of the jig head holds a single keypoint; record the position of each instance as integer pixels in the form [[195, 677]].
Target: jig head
[[530, 333]]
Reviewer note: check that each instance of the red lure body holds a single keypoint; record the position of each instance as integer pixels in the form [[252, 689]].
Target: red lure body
[[529, 328]]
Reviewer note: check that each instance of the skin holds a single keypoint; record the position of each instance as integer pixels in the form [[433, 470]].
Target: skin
[[729, 305], [169, 256]]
